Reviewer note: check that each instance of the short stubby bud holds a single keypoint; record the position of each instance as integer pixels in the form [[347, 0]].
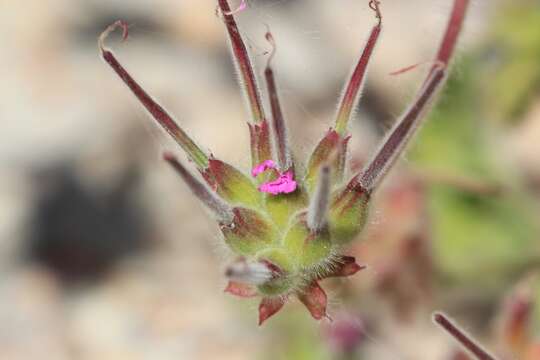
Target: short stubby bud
[[280, 261], [249, 272]]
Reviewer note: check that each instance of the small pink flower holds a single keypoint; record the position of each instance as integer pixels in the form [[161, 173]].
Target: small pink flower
[[240, 8], [284, 184], [262, 167]]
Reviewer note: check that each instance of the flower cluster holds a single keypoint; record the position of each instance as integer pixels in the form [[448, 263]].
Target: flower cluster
[[288, 224]]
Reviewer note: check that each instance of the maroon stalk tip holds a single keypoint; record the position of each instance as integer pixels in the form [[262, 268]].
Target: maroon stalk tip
[[243, 62], [156, 111], [455, 23], [461, 337], [279, 130], [351, 94], [215, 203]]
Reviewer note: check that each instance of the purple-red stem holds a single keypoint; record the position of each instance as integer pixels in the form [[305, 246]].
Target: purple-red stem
[[461, 337], [455, 24], [352, 91], [394, 144], [400, 135], [279, 128], [243, 61], [158, 113], [318, 208], [215, 203]]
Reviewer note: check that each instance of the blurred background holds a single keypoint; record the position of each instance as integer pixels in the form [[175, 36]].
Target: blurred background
[[104, 253]]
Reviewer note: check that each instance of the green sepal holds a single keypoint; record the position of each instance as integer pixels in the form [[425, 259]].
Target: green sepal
[[310, 249], [348, 213], [283, 206], [232, 185], [332, 148], [249, 232], [283, 282]]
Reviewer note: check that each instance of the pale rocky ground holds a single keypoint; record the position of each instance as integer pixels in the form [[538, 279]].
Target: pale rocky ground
[[60, 104]]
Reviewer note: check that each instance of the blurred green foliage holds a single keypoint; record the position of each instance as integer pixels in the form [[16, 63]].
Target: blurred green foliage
[[511, 79], [298, 339], [477, 237]]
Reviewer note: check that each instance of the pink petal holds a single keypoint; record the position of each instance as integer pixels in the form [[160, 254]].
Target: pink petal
[[285, 184], [240, 290], [241, 7], [262, 167], [269, 307]]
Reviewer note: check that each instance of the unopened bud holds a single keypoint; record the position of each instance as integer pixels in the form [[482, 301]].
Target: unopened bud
[[249, 272]]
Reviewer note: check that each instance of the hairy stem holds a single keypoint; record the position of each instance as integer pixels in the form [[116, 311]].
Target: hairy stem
[[281, 144], [461, 337], [400, 135], [209, 198], [395, 143], [318, 208], [158, 113], [351, 95], [243, 62]]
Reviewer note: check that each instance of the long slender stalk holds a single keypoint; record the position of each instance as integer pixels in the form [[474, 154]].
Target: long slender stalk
[[159, 114], [243, 62], [279, 129], [209, 198], [461, 337], [400, 135], [351, 95], [318, 208], [395, 143]]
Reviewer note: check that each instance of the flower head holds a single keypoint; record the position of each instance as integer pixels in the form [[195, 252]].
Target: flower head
[[288, 227]]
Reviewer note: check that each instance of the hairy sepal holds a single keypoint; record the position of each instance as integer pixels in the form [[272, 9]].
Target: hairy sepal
[[282, 207], [261, 147], [310, 249], [348, 213], [249, 232], [332, 150], [231, 184], [315, 300]]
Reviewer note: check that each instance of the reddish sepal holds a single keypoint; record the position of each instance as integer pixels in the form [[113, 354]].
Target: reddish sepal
[[314, 298], [240, 290], [269, 307], [345, 266]]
